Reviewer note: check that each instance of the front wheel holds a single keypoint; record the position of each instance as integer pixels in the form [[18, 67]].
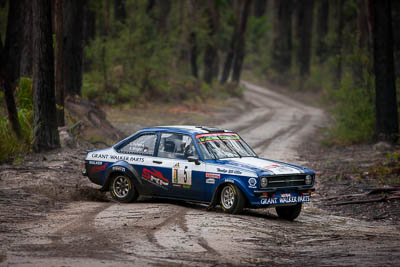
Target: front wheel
[[122, 189], [289, 212], [232, 199]]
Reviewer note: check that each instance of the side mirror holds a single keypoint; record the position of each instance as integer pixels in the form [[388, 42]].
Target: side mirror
[[194, 159]]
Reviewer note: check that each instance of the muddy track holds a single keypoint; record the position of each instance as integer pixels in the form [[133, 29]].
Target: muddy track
[[166, 233]]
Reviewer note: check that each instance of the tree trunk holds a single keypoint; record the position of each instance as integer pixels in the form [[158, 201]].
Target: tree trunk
[[230, 55], [387, 127], [240, 47], [119, 11], [164, 10], [396, 35], [7, 77], [304, 31], [282, 40], [339, 43], [193, 54], [158, 11], [193, 40], [14, 39], [363, 25], [45, 134], [59, 62], [211, 47], [259, 7], [89, 24], [322, 30], [27, 49], [73, 46]]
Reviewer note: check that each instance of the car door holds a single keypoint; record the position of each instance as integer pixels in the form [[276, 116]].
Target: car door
[[186, 178], [142, 148]]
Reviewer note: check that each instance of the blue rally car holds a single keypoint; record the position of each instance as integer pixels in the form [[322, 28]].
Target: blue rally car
[[201, 164]]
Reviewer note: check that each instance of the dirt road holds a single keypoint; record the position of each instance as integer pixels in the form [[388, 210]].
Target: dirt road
[[160, 233]]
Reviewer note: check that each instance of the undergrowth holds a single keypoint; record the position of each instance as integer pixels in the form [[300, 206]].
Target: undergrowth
[[10, 146], [388, 172]]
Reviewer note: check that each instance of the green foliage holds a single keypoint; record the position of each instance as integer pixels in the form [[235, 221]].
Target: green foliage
[[353, 112], [10, 146], [258, 46], [354, 102], [25, 94], [130, 65], [141, 61], [388, 172]]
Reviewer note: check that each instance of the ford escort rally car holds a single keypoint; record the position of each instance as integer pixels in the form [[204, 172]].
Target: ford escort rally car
[[201, 164]]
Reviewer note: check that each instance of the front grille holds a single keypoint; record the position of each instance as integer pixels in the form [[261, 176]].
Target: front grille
[[286, 181]]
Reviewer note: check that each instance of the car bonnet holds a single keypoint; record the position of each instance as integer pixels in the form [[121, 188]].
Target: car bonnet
[[260, 165]]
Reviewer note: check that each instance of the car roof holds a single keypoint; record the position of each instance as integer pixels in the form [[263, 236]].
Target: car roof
[[182, 129], [186, 129]]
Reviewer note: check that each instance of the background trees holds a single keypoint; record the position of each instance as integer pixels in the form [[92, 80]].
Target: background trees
[[45, 133], [387, 127]]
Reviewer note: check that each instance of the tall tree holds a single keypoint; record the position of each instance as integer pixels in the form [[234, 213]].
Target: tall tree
[[73, 46], [159, 11], [304, 30], [396, 35], [59, 62], [364, 25], [259, 7], [119, 10], [339, 43], [193, 54], [211, 48], [387, 128], [8, 71], [241, 41], [26, 53], [14, 38], [45, 133], [89, 23], [322, 29], [164, 10], [231, 50], [282, 40]]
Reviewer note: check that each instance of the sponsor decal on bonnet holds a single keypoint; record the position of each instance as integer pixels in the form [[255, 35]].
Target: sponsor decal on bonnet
[[271, 166]]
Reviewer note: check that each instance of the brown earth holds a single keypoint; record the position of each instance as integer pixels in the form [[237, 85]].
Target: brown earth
[[51, 215]]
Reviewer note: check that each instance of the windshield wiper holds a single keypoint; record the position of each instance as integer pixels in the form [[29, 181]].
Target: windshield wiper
[[207, 145], [231, 147]]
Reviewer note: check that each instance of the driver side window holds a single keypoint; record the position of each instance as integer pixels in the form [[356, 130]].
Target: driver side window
[[143, 145], [176, 146]]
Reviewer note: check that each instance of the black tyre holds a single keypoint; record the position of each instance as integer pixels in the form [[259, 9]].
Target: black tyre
[[122, 189], [289, 212], [232, 199]]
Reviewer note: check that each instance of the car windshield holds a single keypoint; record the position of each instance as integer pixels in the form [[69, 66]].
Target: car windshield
[[223, 145]]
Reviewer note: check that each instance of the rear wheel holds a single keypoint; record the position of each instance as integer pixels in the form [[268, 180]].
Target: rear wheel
[[232, 199], [289, 212], [122, 189]]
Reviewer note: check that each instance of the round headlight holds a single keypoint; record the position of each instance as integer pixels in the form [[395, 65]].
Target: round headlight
[[264, 182], [308, 180]]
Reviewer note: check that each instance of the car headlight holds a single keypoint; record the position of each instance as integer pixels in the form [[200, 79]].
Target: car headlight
[[308, 180], [264, 182]]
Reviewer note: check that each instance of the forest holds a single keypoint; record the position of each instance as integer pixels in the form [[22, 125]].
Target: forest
[[137, 52]]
